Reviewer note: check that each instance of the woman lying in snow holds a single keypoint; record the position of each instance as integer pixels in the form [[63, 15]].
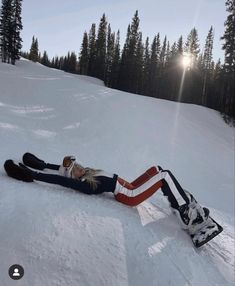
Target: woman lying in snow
[[93, 181]]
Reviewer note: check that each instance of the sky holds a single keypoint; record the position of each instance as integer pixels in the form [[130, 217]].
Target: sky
[[59, 25]]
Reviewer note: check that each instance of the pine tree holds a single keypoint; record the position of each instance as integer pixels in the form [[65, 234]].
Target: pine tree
[[109, 56], [128, 67], [193, 79], [101, 49], [6, 30], [16, 27], [207, 64], [180, 49], [24, 54], [52, 64], [45, 60], [146, 66], [174, 51], [132, 53], [158, 48], [34, 53], [167, 54], [116, 62], [139, 65], [61, 63], [192, 47], [153, 67], [65, 66], [123, 78], [92, 51], [10, 27], [229, 63], [173, 71], [216, 98], [72, 63], [229, 37], [84, 56], [69, 63], [162, 59], [158, 52], [161, 72], [55, 63], [207, 55], [180, 52]]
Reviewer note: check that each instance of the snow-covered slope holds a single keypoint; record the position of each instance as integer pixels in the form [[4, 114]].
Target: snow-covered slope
[[61, 237]]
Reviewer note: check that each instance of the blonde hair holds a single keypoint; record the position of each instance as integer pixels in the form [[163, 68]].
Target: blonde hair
[[89, 176]]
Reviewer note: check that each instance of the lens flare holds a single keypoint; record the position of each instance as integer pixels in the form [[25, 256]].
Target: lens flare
[[186, 61]]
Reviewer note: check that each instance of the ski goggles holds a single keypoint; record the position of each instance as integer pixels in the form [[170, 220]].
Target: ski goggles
[[68, 162]]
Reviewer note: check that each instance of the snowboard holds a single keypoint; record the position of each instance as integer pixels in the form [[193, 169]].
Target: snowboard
[[207, 232]]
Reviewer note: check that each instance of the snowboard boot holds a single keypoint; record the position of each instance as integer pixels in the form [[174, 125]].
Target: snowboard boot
[[34, 162], [192, 216], [17, 172]]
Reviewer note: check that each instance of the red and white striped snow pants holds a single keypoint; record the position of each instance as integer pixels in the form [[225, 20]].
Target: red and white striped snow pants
[[146, 185]]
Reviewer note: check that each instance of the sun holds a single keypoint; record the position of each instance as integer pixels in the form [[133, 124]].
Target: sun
[[186, 61]]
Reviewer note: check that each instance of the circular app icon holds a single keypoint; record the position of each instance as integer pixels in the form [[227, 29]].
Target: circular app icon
[[16, 272]]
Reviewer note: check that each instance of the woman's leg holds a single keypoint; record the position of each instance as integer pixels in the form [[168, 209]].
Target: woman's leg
[[191, 215], [164, 180], [136, 196], [146, 176], [173, 190]]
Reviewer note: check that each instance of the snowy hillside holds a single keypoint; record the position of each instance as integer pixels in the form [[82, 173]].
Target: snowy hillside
[[64, 238]]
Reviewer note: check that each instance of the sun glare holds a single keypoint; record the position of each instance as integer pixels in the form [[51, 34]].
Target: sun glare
[[186, 61]]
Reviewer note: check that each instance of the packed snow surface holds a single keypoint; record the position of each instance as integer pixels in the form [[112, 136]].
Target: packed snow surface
[[65, 238]]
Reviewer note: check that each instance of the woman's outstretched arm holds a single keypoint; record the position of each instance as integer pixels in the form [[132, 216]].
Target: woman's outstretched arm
[[34, 162]]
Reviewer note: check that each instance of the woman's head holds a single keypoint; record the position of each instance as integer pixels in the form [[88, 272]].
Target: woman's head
[[71, 168], [67, 166], [77, 171]]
